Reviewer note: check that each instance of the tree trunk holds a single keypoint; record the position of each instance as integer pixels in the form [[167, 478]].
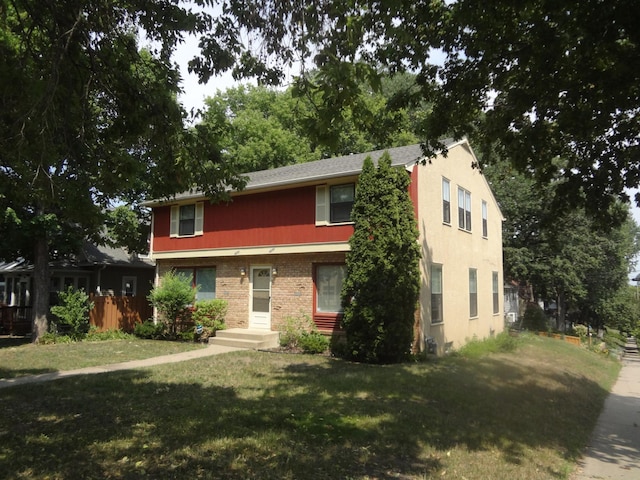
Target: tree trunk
[[561, 312], [40, 288]]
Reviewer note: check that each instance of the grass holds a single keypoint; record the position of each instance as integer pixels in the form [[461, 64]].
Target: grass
[[18, 357], [526, 414]]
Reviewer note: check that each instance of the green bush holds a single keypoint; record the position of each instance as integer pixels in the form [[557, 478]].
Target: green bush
[[535, 319], [73, 313], [293, 330], [149, 329], [581, 331], [172, 299], [313, 342], [209, 314]]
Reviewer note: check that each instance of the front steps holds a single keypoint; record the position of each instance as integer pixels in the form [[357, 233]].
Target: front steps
[[244, 338]]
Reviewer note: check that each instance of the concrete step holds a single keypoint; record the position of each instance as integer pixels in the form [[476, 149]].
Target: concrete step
[[245, 338]]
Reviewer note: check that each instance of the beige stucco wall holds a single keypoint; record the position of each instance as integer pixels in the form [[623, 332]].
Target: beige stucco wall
[[458, 250]]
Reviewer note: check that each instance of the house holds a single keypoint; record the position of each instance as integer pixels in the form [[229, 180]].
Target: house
[[101, 270], [277, 250]]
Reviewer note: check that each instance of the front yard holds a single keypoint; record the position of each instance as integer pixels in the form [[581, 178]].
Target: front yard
[[520, 415]]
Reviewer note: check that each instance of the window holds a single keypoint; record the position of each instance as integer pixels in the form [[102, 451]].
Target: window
[[485, 227], [464, 209], [334, 203], [446, 201], [473, 292], [205, 278], [329, 280], [187, 220], [436, 294], [496, 292], [129, 285]]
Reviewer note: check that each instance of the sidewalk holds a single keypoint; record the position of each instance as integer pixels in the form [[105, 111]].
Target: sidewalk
[[614, 449], [148, 362]]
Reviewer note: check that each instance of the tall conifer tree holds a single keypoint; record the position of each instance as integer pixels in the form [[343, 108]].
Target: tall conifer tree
[[381, 290]]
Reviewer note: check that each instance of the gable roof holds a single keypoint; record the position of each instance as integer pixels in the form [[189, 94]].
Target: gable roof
[[318, 170]]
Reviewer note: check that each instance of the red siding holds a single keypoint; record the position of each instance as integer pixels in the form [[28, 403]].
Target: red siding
[[413, 191], [282, 217]]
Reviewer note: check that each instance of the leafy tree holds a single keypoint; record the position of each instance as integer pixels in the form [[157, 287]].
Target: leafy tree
[[380, 291], [565, 256], [554, 79], [88, 120], [263, 127], [172, 299]]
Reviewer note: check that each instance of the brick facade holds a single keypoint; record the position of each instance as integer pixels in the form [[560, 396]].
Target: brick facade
[[292, 288]]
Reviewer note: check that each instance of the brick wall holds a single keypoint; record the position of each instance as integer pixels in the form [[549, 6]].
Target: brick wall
[[291, 289]]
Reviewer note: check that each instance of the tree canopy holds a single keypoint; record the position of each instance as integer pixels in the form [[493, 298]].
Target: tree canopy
[[553, 79], [89, 119]]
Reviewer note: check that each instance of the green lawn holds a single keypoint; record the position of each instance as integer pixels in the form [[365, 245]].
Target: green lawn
[[257, 415], [18, 357]]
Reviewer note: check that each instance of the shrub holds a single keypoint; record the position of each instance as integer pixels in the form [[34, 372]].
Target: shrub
[[73, 313], [149, 329], [209, 314], [313, 342], [581, 331], [294, 328], [172, 299], [535, 319]]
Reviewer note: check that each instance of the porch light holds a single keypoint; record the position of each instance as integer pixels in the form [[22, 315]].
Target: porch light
[[274, 272], [243, 271]]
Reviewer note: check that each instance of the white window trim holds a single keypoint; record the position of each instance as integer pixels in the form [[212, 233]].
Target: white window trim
[[323, 204], [485, 219], [466, 207], [175, 221], [447, 182]]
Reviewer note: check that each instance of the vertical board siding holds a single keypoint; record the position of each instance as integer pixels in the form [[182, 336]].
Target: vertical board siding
[[119, 313]]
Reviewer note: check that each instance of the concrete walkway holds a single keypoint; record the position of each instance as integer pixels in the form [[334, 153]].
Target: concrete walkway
[[614, 449], [148, 362]]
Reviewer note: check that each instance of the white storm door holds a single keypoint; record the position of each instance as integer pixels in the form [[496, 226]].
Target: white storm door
[[260, 307]]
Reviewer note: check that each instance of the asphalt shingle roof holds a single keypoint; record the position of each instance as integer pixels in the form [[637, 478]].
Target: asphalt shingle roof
[[327, 168]]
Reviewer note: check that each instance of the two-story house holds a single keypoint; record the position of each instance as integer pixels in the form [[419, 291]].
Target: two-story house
[[278, 248]]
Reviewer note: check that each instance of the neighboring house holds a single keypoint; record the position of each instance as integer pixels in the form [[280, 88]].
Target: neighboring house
[[96, 269], [277, 250]]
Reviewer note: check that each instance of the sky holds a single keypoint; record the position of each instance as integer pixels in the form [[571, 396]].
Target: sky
[[195, 94]]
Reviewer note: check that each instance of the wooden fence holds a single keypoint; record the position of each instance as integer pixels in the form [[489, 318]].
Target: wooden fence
[[15, 320], [109, 313], [119, 313]]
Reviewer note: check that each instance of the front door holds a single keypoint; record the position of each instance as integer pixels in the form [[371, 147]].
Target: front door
[[260, 308]]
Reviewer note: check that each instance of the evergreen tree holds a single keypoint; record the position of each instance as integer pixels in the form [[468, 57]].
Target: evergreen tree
[[381, 289]]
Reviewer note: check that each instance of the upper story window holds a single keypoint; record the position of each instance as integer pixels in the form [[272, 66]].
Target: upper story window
[[334, 203], [464, 209], [485, 226], [446, 201], [187, 220]]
